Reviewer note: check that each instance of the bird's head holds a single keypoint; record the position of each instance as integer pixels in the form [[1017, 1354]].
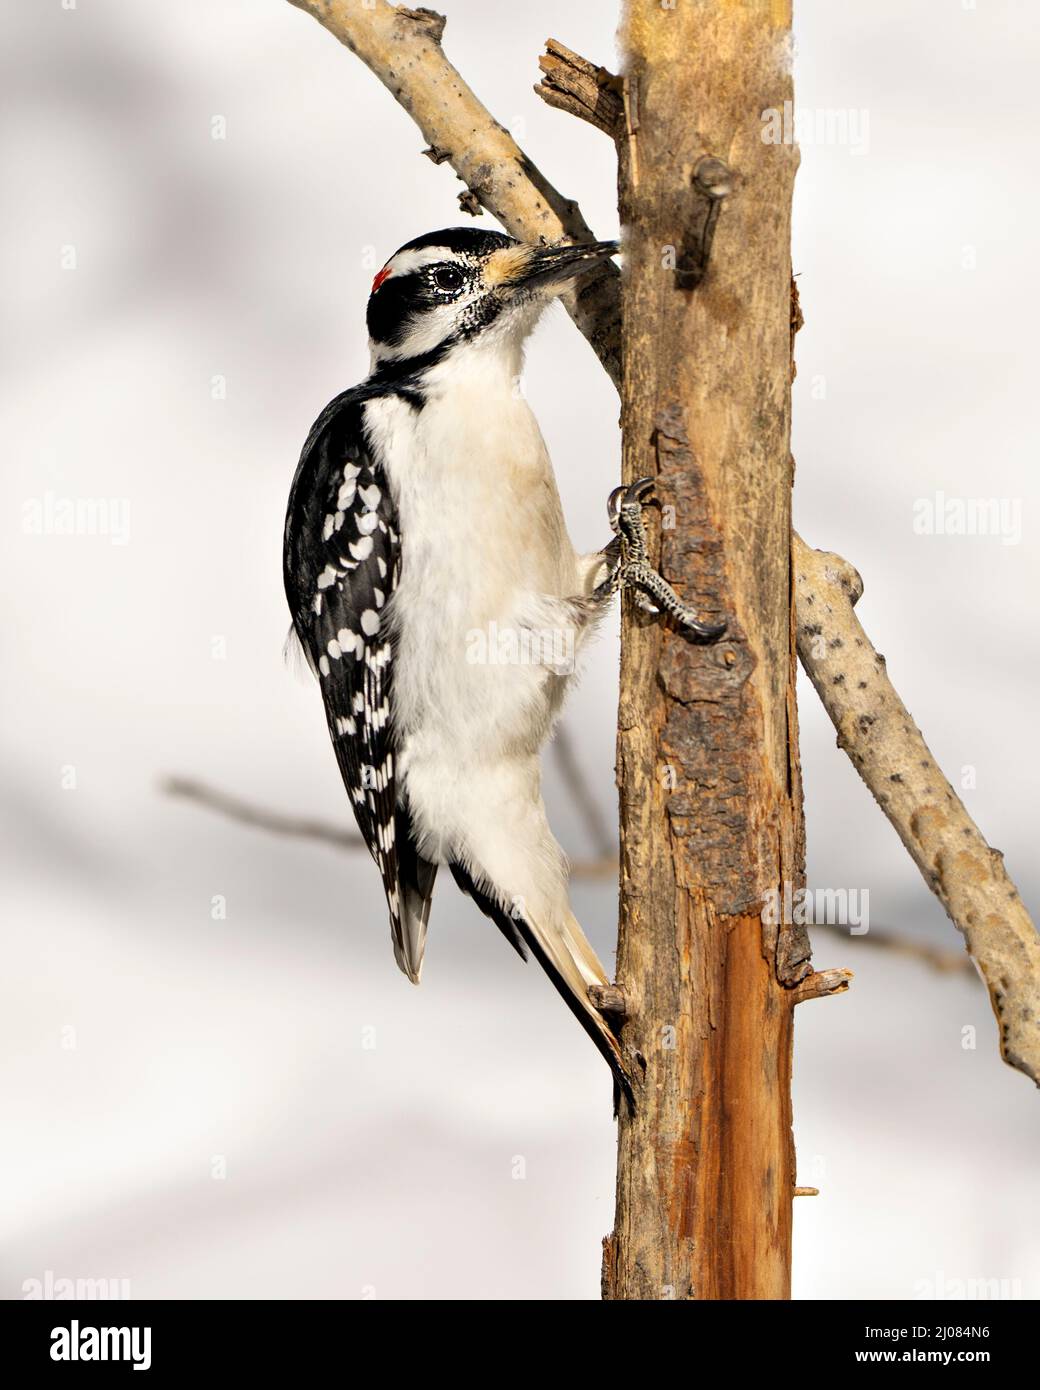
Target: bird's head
[[464, 285]]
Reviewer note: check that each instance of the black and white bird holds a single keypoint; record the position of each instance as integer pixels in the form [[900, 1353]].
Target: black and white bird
[[424, 526]]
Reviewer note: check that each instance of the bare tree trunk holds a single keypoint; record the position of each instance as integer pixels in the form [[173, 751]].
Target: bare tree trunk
[[708, 767]]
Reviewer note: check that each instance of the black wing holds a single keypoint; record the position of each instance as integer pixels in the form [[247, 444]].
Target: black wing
[[342, 561]]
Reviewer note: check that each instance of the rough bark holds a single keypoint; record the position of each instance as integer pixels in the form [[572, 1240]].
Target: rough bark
[[711, 818]]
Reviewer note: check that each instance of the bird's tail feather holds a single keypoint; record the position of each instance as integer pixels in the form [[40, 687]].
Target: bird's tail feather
[[410, 941], [416, 877], [570, 962]]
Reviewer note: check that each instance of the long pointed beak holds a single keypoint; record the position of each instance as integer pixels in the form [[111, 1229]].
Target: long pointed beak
[[554, 265]]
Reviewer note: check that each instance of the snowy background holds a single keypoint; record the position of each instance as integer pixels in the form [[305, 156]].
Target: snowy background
[[192, 1100]]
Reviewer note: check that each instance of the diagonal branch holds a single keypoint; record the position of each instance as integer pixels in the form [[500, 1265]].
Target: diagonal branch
[[889, 752], [402, 48]]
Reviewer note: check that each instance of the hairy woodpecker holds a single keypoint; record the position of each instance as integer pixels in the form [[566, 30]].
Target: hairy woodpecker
[[424, 523]]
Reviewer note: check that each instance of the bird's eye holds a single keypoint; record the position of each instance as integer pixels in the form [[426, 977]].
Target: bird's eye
[[446, 277]]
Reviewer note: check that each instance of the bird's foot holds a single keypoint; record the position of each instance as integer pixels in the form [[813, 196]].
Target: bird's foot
[[630, 568]]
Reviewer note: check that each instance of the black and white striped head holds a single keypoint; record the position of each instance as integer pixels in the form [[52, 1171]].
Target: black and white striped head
[[453, 286]]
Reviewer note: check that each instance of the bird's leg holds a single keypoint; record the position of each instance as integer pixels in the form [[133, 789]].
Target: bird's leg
[[629, 565]]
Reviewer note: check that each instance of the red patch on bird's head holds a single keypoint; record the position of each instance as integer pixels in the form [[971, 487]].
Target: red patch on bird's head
[[380, 278]]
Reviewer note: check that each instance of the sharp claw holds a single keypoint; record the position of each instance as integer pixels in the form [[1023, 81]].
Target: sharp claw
[[706, 632], [631, 569], [641, 488]]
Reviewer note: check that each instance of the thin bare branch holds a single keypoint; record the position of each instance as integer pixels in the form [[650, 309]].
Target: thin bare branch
[[935, 957], [605, 867], [259, 817], [325, 832]]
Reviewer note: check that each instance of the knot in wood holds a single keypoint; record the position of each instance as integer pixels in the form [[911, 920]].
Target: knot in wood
[[713, 177]]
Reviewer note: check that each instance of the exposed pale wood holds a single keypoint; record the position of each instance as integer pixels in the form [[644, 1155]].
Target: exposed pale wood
[[707, 743]]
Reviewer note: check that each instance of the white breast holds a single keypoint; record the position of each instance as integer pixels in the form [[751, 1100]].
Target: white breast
[[485, 552]]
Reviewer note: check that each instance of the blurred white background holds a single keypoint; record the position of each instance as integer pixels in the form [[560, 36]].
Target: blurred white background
[[150, 1046]]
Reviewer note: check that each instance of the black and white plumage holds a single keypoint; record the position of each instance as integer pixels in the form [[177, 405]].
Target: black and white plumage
[[342, 564], [424, 522]]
